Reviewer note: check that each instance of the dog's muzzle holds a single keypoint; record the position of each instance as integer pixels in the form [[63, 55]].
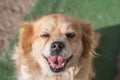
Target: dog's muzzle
[[56, 61]]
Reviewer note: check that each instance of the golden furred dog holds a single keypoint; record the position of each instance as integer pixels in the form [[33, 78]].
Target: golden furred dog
[[55, 47]]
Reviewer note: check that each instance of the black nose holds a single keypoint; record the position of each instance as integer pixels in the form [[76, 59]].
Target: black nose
[[57, 46]]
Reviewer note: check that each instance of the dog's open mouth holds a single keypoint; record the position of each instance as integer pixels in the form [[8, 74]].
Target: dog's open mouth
[[57, 63]]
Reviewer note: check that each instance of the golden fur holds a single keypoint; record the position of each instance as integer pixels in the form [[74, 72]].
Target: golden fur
[[35, 40]]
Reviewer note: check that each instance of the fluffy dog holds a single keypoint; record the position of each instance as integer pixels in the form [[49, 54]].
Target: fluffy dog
[[55, 47]]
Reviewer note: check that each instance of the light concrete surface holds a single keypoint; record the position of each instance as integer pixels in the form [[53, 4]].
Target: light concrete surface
[[12, 13]]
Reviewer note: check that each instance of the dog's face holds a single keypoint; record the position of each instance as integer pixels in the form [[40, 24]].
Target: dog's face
[[56, 42]]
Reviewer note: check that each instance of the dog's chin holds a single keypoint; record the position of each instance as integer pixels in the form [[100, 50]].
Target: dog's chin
[[57, 63]]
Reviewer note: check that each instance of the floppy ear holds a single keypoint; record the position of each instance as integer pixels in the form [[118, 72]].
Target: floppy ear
[[87, 39], [26, 37]]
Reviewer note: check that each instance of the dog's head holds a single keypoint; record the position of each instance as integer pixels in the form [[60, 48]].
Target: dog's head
[[56, 42]]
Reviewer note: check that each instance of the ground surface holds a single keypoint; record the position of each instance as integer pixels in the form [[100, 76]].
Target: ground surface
[[12, 13]]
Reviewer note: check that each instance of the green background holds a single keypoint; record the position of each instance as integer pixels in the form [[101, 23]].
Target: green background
[[103, 14]]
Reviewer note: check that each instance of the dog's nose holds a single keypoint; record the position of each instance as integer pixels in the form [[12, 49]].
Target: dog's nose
[[57, 46]]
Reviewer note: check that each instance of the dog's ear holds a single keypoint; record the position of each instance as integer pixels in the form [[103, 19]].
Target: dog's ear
[[87, 39], [26, 37]]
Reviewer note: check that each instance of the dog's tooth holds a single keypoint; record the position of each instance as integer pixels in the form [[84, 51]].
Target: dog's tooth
[[52, 64], [63, 64]]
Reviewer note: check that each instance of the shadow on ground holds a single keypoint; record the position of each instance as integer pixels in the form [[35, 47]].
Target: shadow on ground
[[105, 64]]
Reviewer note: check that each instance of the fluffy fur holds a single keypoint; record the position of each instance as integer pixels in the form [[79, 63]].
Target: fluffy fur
[[35, 43]]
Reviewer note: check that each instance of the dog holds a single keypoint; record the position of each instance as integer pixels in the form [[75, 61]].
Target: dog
[[55, 47]]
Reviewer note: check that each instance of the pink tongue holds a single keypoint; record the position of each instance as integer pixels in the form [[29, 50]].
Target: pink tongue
[[56, 61]]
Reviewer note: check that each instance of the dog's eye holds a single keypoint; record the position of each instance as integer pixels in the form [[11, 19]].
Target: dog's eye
[[70, 35], [45, 35]]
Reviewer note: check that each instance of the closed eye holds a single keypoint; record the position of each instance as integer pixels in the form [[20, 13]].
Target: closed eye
[[70, 35], [45, 35]]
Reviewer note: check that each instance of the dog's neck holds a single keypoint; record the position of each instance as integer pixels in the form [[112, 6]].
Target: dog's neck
[[67, 75]]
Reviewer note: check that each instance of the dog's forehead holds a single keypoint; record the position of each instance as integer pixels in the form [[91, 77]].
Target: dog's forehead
[[48, 24]]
